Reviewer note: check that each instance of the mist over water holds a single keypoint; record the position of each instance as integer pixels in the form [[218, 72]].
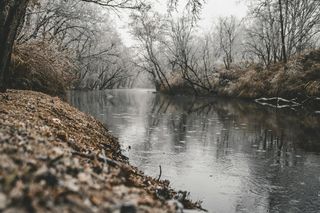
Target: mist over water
[[233, 155]]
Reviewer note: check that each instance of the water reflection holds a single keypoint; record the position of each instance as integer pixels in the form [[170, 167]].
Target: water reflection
[[233, 155]]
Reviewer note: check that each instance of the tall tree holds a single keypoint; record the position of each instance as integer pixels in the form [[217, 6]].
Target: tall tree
[[148, 29], [283, 38], [227, 34], [279, 29], [11, 15]]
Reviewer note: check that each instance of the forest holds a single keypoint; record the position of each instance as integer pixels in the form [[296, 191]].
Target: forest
[[61, 45], [274, 51]]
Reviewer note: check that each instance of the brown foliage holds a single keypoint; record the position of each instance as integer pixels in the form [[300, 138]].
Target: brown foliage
[[55, 158], [40, 67], [299, 78]]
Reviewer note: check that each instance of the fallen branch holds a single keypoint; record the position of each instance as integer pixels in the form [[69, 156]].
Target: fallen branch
[[160, 173], [106, 160], [285, 103], [99, 158]]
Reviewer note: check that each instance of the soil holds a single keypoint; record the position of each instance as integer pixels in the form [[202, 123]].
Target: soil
[[55, 158]]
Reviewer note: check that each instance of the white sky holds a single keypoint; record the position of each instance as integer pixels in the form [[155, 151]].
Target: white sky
[[216, 8], [210, 12]]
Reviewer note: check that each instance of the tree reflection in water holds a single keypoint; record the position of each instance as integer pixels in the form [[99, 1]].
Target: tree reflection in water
[[234, 155]]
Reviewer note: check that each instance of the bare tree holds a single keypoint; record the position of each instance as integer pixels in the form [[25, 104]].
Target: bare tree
[[80, 30], [227, 33], [282, 30], [191, 60], [11, 15], [55, 24], [192, 6], [148, 29], [279, 29]]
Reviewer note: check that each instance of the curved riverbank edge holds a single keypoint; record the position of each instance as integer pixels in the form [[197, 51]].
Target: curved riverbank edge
[[295, 83], [55, 158]]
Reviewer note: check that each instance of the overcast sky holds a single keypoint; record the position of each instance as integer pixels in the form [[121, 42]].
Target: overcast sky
[[211, 11], [215, 8]]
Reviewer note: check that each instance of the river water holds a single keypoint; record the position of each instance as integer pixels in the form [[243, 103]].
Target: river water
[[235, 156]]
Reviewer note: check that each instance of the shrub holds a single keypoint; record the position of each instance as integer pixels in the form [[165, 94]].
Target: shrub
[[40, 67], [299, 78]]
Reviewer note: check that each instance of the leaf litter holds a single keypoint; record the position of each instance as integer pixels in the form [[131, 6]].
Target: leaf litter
[[55, 158]]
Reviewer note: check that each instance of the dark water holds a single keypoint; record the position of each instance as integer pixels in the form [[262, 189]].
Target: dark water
[[234, 156]]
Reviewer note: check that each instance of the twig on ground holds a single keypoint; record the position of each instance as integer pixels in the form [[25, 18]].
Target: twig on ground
[[99, 158], [160, 173]]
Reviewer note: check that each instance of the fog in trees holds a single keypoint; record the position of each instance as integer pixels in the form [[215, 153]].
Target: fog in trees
[[179, 55]]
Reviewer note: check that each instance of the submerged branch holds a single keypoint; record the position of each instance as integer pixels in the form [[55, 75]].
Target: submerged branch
[[277, 102]]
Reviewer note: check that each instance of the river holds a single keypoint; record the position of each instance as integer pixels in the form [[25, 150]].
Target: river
[[233, 155]]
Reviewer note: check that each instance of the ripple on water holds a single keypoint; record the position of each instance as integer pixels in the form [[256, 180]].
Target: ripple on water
[[235, 156]]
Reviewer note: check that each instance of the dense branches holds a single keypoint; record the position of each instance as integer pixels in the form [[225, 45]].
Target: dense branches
[[169, 48], [228, 28], [84, 33], [148, 28], [281, 28], [273, 31], [73, 26], [118, 4]]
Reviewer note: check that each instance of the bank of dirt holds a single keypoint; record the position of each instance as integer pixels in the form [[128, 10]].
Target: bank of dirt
[[55, 158]]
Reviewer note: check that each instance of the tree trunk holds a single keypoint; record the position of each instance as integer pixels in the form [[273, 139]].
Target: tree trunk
[[11, 15], [283, 40]]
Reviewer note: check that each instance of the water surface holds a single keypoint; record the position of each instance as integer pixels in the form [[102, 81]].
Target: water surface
[[235, 156]]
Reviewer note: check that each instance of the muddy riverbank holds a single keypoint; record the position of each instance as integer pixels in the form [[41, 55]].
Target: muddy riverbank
[[55, 158]]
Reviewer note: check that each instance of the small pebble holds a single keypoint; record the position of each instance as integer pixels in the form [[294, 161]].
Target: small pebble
[[128, 208], [3, 201]]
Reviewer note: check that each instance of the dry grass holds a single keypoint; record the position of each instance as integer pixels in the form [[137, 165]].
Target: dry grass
[[40, 67], [300, 78]]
